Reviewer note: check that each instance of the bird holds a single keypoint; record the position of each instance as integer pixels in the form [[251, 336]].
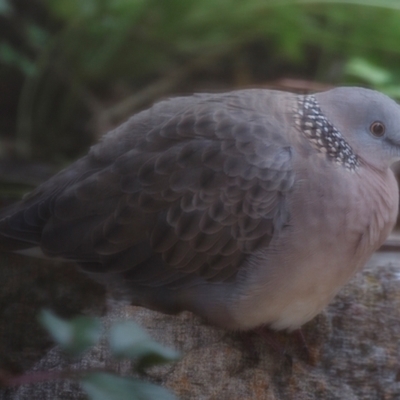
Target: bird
[[248, 208]]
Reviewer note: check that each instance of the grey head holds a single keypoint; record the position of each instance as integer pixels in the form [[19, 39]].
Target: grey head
[[366, 128]]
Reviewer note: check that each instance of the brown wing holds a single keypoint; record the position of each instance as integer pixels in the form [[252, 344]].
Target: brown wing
[[189, 188]]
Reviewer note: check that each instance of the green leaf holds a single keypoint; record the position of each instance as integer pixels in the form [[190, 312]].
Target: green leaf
[[74, 336], [5, 7], [102, 386], [392, 91], [370, 73], [129, 340], [10, 56], [37, 35]]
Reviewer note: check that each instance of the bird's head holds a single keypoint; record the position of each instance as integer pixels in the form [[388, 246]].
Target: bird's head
[[368, 120], [356, 124]]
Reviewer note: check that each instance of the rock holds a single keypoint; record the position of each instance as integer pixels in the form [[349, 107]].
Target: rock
[[354, 346]]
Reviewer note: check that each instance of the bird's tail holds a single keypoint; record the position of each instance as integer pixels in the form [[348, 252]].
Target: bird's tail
[[20, 228]]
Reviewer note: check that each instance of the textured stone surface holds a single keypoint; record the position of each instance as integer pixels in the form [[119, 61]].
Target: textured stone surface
[[354, 344]]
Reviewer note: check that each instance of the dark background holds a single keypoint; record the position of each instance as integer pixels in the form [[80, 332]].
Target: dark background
[[70, 70]]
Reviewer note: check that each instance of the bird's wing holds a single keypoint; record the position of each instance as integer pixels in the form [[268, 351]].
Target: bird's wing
[[189, 187]]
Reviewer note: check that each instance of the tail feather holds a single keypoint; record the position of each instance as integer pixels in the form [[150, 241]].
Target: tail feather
[[18, 232], [8, 244]]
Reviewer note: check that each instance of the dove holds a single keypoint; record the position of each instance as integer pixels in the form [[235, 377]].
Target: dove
[[250, 208]]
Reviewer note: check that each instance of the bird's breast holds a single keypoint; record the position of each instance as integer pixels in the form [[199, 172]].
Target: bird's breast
[[334, 228]]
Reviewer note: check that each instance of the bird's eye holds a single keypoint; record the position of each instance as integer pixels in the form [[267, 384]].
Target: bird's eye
[[377, 128]]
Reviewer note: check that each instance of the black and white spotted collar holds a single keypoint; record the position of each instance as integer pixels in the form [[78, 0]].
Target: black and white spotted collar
[[322, 134]]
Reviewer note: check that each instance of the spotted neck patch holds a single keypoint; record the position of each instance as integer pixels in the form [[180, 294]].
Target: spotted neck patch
[[322, 134]]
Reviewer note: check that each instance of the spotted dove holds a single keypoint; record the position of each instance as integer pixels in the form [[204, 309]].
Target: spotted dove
[[248, 208]]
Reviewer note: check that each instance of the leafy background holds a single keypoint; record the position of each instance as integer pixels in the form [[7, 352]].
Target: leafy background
[[70, 70]]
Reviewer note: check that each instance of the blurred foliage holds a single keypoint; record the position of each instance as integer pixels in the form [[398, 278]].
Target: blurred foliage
[[79, 59], [74, 336], [126, 339], [102, 386], [378, 77]]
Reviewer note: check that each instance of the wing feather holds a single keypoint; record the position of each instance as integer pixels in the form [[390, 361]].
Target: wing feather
[[185, 190]]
